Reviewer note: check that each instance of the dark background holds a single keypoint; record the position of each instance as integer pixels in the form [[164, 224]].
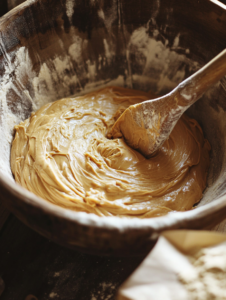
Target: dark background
[[3, 7]]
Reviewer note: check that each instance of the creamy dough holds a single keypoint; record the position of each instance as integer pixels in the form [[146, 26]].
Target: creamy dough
[[61, 153]]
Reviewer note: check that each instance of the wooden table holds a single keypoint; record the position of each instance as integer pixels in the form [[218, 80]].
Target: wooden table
[[32, 265]]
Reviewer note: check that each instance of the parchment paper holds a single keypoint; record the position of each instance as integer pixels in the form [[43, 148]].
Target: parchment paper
[[156, 277]]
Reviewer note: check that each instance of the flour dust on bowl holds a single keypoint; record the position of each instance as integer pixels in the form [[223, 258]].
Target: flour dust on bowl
[[77, 47]]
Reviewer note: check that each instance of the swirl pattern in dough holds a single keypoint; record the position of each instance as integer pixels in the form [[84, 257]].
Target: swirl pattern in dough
[[61, 153]]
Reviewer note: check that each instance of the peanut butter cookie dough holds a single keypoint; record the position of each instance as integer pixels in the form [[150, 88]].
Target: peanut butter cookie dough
[[62, 154]]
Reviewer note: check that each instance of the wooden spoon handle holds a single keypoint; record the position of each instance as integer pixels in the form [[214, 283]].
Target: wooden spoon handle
[[191, 89]]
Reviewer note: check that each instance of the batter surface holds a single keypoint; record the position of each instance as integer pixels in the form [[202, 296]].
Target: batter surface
[[61, 153]]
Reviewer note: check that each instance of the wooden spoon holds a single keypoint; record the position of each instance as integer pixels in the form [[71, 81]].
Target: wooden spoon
[[145, 126]]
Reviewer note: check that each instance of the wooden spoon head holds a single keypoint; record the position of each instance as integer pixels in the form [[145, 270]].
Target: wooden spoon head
[[130, 125], [145, 126]]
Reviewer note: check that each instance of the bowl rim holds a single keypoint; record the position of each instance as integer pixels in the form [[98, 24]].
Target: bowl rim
[[172, 219]]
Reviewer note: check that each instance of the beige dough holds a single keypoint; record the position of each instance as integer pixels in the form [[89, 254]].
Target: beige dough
[[61, 153]]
